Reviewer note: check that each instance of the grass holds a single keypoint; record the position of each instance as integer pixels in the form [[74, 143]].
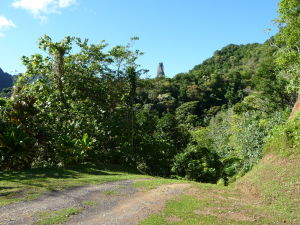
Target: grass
[[186, 210], [30, 184], [89, 203], [269, 194], [110, 192], [56, 217], [154, 183]]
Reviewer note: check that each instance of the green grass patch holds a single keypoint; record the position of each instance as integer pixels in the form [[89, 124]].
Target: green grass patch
[[187, 210], [27, 185], [56, 217], [89, 203], [156, 182], [110, 192], [278, 179]]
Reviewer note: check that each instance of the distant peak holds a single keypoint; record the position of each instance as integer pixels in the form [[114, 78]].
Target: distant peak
[[160, 70]]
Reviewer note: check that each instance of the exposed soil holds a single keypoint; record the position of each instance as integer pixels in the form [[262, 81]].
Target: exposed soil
[[236, 216], [227, 204], [115, 203]]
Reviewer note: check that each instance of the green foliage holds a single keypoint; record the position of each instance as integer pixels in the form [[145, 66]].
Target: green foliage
[[187, 113], [284, 139], [6, 92], [239, 138], [198, 164], [159, 140], [287, 39], [81, 102], [18, 143], [271, 86], [169, 129], [201, 137], [17, 149], [84, 99]]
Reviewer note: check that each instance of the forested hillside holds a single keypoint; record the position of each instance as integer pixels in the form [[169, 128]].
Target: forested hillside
[[228, 104], [6, 80], [83, 103]]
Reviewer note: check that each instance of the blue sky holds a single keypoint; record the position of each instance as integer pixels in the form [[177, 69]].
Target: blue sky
[[179, 33]]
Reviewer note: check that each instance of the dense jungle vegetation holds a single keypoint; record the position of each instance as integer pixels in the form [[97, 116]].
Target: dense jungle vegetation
[[83, 103]]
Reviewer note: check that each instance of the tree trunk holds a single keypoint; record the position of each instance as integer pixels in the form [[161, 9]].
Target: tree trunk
[[59, 61]]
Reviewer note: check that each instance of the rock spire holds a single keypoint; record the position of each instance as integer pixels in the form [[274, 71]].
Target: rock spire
[[160, 70]]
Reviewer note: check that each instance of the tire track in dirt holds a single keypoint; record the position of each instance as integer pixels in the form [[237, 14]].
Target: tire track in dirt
[[125, 205], [133, 209], [25, 212]]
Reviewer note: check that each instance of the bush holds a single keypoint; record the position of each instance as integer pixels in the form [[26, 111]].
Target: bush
[[17, 149], [284, 139], [198, 164], [17, 144]]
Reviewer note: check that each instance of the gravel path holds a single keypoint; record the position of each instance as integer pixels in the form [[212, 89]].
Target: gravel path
[[131, 210], [116, 203]]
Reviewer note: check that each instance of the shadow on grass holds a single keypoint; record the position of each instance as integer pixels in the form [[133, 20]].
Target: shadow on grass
[[42, 174], [30, 184], [6, 188]]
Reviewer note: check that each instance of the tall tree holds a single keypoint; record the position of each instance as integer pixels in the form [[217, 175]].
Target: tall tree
[[288, 41]]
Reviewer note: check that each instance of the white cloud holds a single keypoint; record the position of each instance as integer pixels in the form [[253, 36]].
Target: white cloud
[[38, 8], [5, 24], [66, 3]]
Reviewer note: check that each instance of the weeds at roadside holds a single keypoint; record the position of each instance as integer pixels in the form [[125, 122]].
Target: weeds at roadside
[[56, 217]]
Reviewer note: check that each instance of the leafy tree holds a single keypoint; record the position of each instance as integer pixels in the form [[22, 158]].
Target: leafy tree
[[188, 113], [287, 39], [81, 97], [268, 82]]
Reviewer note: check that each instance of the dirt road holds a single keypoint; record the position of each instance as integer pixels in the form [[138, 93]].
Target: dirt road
[[113, 203]]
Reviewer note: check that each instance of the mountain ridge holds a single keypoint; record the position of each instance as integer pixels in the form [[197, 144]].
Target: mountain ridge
[[6, 80]]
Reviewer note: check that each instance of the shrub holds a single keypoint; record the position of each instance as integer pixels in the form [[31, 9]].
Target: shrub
[[198, 164], [17, 142], [284, 139], [17, 149]]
